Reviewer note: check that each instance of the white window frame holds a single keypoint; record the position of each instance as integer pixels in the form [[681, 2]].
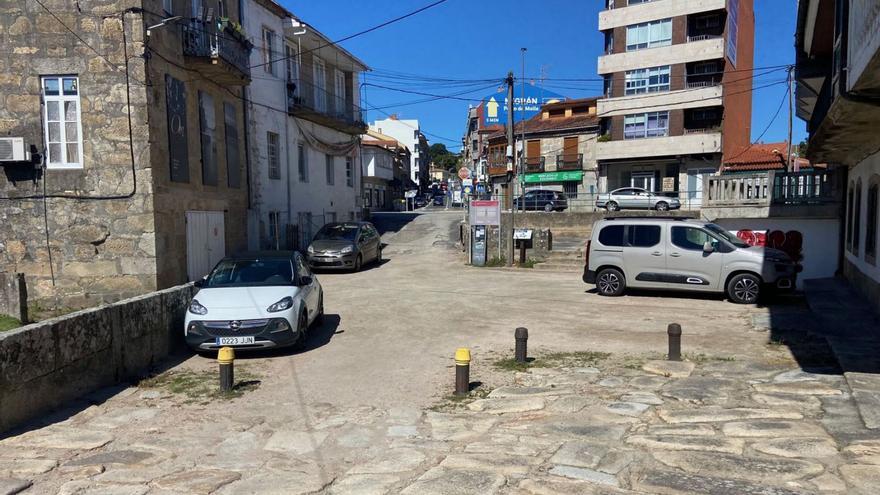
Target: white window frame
[[303, 162], [291, 63], [268, 50], [339, 88], [644, 118], [61, 98], [349, 171], [273, 156], [649, 35], [320, 84], [638, 81], [330, 169]]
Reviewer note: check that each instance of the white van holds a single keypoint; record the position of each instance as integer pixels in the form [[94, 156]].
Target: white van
[[677, 253]]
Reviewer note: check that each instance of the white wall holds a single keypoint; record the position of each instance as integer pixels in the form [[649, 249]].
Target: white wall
[[864, 171], [405, 132], [378, 163], [821, 241]]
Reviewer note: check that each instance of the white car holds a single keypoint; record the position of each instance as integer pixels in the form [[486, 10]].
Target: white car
[[254, 300]]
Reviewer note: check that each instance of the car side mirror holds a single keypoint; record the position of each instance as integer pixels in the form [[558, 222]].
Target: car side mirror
[[708, 247], [198, 284], [305, 280]]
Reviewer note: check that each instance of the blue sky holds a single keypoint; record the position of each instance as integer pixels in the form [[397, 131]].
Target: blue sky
[[477, 39]]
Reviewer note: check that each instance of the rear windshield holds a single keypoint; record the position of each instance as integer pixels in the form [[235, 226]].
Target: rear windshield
[[611, 235], [337, 232], [251, 273]]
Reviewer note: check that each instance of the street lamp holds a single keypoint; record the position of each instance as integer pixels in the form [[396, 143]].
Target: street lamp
[[164, 22]]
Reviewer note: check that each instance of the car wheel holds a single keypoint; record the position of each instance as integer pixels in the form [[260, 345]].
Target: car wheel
[[662, 206], [302, 327], [611, 206], [548, 207], [379, 256], [610, 282], [357, 263], [744, 288], [319, 318]]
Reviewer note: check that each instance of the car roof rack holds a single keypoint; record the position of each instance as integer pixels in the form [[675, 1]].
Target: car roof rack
[[649, 217]]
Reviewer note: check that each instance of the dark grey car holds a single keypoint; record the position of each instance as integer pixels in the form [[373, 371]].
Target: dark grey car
[[345, 246]]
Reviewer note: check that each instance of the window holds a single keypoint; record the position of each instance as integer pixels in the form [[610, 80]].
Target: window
[[269, 51], [708, 21], [705, 114], [320, 78], [208, 126], [331, 173], [645, 125], [649, 35], [291, 64], [871, 228], [710, 67], [857, 218], [168, 6], [474, 145], [644, 235], [349, 172], [274, 229], [611, 236], [415, 134], [607, 85], [303, 159], [233, 165], [272, 152], [652, 80], [339, 87], [175, 112], [691, 238], [368, 197], [63, 122], [570, 189]]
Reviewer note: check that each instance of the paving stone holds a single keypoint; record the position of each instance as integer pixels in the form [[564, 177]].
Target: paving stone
[[88, 487], [771, 428], [404, 415], [507, 406], [357, 437], [364, 484], [650, 382], [26, 467], [642, 398], [442, 481], [122, 417], [681, 442], [295, 442], [611, 382], [123, 457], [11, 486], [790, 401], [197, 481], [843, 420], [723, 465], [616, 461], [797, 375], [495, 447], [701, 430], [828, 483], [141, 474], [797, 388], [579, 454], [559, 486], [864, 452], [391, 461], [513, 391], [633, 409], [151, 395], [861, 478], [403, 431], [508, 465], [671, 369], [589, 370], [717, 414], [452, 427], [700, 388], [276, 483], [866, 393], [61, 438], [584, 474], [581, 431], [677, 483], [76, 472], [570, 404], [797, 447]]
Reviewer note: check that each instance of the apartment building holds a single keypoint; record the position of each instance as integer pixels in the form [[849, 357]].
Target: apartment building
[[408, 132], [385, 161], [136, 174], [304, 127], [838, 83], [677, 91]]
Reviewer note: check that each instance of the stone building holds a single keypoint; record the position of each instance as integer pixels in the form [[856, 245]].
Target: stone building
[[137, 170]]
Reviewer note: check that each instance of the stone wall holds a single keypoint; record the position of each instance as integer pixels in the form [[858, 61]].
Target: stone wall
[[47, 364], [9, 301], [94, 243]]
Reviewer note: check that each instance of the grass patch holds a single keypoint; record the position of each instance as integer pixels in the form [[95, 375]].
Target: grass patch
[[496, 262], [701, 358], [576, 359], [530, 263], [201, 386], [8, 323], [452, 401]]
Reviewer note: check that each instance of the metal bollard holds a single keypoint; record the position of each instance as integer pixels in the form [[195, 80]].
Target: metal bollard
[[521, 335], [674, 331], [462, 371], [226, 358]]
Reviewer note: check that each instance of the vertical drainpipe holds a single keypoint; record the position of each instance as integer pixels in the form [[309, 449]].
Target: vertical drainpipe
[[247, 148]]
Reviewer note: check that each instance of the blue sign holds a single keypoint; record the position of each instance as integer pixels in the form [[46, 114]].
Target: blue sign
[[732, 30], [525, 106]]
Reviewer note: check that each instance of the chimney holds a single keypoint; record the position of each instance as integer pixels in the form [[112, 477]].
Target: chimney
[[393, 116]]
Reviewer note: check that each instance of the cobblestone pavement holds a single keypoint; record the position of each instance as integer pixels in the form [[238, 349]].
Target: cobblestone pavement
[[741, 416]]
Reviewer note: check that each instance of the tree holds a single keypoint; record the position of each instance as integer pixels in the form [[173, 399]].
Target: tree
[[442, 157]]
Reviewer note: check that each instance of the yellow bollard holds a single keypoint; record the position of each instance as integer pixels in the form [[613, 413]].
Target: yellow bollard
[[226, 359], [462, 370]]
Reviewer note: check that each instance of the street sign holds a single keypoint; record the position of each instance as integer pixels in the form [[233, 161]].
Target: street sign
[[485, 212], [468, 190], [522, 234], [463, 173], [410, 194], [669, 184], [524, 106], [467, 182]]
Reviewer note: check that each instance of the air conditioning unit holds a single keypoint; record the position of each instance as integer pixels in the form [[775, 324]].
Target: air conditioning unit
[[12, 150]]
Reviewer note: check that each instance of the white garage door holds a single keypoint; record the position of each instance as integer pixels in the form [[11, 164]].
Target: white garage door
[[205, 242]]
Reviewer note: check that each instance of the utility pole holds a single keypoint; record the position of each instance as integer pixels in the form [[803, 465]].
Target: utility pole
[[788, 164], [511, 165], [522, 117]]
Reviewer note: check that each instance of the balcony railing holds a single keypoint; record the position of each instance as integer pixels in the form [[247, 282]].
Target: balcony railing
[[737, 190], [703, 130], [769, 188], [308, 100], [534, 164], [570, 162], [215, 40], [702, 84], [702, 37]]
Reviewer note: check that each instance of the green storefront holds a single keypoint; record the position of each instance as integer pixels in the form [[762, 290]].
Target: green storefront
[[548, 177]]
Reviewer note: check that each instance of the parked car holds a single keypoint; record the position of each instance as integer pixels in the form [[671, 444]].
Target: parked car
[[345, 246], [636, 198], [541, 199], [439, 200], [681, 254], [255, 300], [419, 202]]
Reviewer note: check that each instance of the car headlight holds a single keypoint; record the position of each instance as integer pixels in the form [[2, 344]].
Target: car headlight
[[311, 250], [347, 250], [281, 305], [196, 308]]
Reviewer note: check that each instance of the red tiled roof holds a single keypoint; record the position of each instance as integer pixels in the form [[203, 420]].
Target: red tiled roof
[[758, 156], [537, 124]]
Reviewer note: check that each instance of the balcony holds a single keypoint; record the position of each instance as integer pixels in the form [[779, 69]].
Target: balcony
[[814, 194], [322, 107], [218, 51], [693, 144], [863, 52], [709, 49], [570, 162], [534, 164], [652, 102], [495, 169], [651, 11]]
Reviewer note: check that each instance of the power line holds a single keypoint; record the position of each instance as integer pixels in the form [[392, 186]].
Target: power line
[[769, 125]]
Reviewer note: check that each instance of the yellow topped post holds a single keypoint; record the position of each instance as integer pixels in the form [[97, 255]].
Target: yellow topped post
[[226, 355], [226, 358], [462, 371], [462, 356]]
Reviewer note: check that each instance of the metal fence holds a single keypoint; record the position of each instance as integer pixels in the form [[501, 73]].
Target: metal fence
[[574, 203]]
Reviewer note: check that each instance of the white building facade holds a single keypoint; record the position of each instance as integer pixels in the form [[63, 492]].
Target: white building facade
[[304, 126], [409, 133]]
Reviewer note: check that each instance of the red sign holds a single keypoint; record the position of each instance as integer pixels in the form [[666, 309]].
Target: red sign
[[463, 173], [484, 202]]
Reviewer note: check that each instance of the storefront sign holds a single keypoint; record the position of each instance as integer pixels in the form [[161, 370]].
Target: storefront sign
[[524, 106], [669, 184], [567, 176], [522, 234], [485, 212]]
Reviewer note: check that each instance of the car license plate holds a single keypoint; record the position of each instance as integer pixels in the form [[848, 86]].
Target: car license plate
[[235, 340]]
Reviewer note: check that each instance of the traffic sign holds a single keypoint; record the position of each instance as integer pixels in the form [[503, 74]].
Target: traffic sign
[[463, 173]]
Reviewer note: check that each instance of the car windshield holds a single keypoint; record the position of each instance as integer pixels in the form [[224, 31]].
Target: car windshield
[[727, 236], [337, 232], [251, 272]]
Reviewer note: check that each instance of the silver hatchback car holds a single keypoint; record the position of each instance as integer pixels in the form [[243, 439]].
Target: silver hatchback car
[[681, 254], [636, 198]]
